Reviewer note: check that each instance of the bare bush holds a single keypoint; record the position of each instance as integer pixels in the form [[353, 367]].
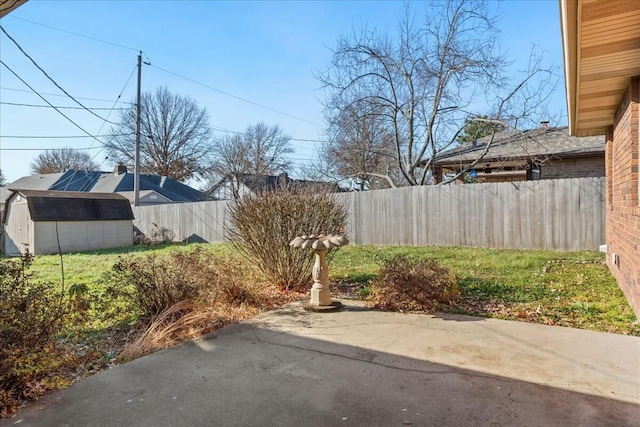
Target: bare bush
[[154, 236], [406, 284], [189, 294], [31, 314], [150, 284], [262, 225]]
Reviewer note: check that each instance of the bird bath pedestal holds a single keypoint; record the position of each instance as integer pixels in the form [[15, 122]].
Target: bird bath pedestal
[[320, 292]]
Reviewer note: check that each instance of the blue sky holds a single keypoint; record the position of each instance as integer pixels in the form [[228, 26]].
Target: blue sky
[[266, 52]]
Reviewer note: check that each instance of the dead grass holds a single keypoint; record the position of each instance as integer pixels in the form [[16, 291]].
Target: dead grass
[[183, 320]]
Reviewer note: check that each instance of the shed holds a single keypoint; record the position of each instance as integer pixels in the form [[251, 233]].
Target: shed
[[42, 221]]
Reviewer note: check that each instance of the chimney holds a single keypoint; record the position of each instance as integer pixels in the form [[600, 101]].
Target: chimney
[[544, 124], [120, 169]]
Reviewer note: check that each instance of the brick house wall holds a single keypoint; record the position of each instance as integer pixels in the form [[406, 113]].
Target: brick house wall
[[581, 167], [623, 210]]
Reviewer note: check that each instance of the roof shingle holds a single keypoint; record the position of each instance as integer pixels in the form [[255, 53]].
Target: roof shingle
[[76, 206], [534, 143]]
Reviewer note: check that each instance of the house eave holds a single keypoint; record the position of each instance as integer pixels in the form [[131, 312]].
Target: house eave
[[521, 159], [6, 7], [568, 17], [601, 53]]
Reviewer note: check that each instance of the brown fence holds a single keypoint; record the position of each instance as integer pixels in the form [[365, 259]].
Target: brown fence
[[566, 214]]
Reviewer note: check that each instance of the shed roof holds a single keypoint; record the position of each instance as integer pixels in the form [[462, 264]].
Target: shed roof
[[75, 206], [534, 143]]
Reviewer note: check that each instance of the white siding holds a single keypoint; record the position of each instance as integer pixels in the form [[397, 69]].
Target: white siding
[[225, 191], [78, 236], [18, 229], [153, 199]]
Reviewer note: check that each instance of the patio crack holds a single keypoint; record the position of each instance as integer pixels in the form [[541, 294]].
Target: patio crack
[[445, 371]]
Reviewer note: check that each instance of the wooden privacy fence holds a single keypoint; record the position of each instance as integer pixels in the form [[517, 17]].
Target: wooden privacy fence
[[566, 214]]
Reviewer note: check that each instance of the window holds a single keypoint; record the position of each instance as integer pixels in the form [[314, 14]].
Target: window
[[533, 172]]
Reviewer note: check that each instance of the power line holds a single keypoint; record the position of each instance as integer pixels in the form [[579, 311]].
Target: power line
[[75, 34], [113, 106], [63, 96], [45, 149], [236, 97], [219, 129], [170, 72], [61, 136], [45, 100], [17, 104], [49, 77], [96, 155], [308, 140]]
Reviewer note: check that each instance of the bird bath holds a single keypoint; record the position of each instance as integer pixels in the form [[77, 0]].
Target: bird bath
[[320, 292]]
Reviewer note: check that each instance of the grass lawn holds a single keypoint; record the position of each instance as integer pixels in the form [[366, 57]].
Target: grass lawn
[[560, 288], [88, 267], [567, 289], [557, 288]]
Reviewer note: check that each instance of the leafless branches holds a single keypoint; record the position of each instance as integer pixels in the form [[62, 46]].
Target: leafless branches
[[423, 83], [259, 150], [60, 160], [175, 136], [360, 148]]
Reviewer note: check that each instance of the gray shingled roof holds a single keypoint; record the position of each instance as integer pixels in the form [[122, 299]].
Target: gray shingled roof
[[36, 182], [535, 143], [4, 193], [76, 206]]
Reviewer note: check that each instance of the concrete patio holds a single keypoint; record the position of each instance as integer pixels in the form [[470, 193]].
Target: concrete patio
[[360, 367]]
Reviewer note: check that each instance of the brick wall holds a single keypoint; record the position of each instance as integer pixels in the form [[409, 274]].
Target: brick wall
[[623, 210], [583, 167]]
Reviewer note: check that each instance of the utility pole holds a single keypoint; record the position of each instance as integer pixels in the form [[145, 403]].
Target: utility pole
[[136, 172]]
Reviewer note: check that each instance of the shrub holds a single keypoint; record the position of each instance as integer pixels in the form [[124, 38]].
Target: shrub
[[150, 284], [181, 295], [154, 236], [262, 226], [406, 284], [31, 315]]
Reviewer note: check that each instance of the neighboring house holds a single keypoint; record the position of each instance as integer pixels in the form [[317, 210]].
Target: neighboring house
[[242, 184], [154, 189], [4, 193], [543, 153], [602, 76], [45, 222]]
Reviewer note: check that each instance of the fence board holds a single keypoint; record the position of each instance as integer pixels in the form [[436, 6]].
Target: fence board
[[565, 214]]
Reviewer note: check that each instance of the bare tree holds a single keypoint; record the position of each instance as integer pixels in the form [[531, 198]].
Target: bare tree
[[423, 82], [259, 150], [60, 160], [360, 149], [175, 136]]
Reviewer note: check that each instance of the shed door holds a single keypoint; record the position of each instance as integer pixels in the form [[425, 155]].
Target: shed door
[[16, 231]]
